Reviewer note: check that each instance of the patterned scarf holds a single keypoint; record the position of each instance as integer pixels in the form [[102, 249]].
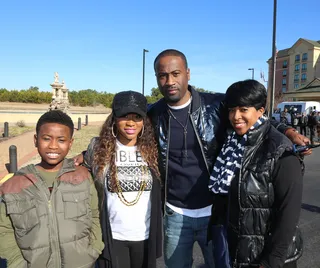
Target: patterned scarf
[[229, 160]]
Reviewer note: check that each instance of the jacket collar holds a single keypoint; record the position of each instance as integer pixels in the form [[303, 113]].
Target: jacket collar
[[256, 135], [67, 166], [195, 104]]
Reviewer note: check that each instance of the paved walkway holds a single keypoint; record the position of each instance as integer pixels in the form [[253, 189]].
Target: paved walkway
[[25, 150]]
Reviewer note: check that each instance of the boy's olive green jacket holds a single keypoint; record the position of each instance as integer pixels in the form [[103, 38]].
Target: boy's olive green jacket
[[39, 229]]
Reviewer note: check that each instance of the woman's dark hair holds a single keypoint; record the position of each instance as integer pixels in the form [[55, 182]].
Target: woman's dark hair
[[105, 149], [249, 93]]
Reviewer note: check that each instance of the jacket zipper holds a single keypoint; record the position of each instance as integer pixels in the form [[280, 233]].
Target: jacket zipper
[[167, 160], [200, 144], [53, 227], [239, 192]]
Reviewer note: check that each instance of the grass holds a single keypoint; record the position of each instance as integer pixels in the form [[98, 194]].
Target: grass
[[16, 131], [82, 139]]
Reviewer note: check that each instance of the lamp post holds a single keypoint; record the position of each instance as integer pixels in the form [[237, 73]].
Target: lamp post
[[252, 70], [273, 59], [143, 67]]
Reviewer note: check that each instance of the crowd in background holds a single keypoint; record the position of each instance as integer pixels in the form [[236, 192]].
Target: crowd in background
[[307, 124]]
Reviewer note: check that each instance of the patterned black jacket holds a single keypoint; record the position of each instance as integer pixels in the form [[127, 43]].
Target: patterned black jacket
[[249, 233]]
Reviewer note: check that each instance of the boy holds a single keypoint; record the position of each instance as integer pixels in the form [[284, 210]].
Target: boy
[[49, 214]]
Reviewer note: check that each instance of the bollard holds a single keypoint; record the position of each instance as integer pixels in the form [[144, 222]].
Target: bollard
[[3, 263], [6, 129], [13, 164], [79, 123], [87, 120]]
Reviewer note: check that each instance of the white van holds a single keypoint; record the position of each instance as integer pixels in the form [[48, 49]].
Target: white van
[[298, 106]]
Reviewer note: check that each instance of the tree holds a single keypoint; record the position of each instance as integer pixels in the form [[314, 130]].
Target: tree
[[32, 88], [155, 95], [155, 92]]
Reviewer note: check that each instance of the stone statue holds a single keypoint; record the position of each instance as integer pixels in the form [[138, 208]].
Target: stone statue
[[60, 98], [56, 77]]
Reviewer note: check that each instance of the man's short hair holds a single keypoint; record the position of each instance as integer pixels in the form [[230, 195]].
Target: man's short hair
[[170, 52], [55, 116]]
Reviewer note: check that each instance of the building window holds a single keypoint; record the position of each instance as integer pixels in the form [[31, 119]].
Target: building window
[[303, 77], [302, 85], [284, 81], [304, 67], [305, 56], [284, 73], [296, 85], [297, 68], [285, 64], [284, 89], [296, 78], [297, 57]]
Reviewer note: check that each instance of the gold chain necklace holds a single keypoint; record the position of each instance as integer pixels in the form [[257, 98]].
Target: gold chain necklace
[[142, 187]]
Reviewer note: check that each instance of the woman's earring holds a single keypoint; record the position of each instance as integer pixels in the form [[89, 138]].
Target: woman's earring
[[142, 131], [112, 131]]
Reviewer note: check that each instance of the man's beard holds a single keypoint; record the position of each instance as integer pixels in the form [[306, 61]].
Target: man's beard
[[173, 99]]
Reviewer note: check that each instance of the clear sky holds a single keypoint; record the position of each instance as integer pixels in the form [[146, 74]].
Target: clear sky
[[98, 44]]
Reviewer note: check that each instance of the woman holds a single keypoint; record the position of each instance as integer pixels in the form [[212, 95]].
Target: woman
[[123, 160], [257, 184]]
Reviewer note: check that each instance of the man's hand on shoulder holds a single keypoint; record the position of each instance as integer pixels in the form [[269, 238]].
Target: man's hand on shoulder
[[298, 139], [78, 159]]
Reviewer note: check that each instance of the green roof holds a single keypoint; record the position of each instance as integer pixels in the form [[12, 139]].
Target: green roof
[[315, 43]]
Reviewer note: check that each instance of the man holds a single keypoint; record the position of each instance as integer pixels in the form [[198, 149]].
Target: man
[[312, 123], [294, 118], [303, 124], [190, 128], [285, 116]]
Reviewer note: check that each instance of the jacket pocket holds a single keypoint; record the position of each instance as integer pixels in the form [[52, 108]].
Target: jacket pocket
[[75, 204], [23, 214]]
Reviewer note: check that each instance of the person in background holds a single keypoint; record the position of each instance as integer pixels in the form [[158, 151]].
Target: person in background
[[49, 215], [303, 124], [312, 124], [123, 160], [284, 117], [257, 186], [318, 126], [294, 118]]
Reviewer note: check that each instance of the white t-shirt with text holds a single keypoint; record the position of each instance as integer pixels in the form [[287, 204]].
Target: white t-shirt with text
[[130, 223]]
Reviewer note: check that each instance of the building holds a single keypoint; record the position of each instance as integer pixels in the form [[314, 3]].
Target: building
[[296, 68], [311, 92]]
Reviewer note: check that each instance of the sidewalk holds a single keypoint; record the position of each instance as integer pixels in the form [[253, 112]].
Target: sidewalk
[[25, 150]]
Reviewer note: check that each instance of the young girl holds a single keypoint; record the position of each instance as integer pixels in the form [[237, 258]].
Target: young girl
[[123, 160]]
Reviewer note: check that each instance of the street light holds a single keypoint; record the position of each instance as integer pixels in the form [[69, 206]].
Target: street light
[[273, 59], [143, 65], [252, 69]]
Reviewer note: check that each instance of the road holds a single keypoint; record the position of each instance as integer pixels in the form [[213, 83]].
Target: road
[[309, 218]]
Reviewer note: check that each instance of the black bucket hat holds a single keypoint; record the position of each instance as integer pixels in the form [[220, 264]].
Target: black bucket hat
[[127, 102]]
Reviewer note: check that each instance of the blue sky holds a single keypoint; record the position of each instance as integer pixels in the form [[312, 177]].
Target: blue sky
[[98, 44]]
